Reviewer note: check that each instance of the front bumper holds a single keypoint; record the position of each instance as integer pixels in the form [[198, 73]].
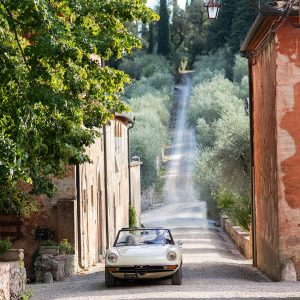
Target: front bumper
[[142, 272]]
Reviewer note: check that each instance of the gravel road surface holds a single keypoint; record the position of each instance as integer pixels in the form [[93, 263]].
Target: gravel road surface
[[212, 269]]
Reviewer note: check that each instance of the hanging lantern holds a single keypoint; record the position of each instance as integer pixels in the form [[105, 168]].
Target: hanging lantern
[[213, 8]]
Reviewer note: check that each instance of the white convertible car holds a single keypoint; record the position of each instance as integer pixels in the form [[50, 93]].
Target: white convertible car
[[144, 253]]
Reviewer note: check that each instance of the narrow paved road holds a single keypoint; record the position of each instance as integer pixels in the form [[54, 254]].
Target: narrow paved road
[[213, 268]]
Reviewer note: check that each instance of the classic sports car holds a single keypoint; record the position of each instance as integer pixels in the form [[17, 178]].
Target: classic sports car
[[144, 253]]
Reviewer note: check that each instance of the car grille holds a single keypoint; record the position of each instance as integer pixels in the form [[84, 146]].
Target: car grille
[[142, 270]]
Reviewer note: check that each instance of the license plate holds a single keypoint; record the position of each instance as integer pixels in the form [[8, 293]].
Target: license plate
[[130, 276]]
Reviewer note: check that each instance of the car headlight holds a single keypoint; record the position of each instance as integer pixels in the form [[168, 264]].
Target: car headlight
[[171, 255], [112, 257]]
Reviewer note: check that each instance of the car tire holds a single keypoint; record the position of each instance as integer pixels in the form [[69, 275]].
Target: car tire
[[110, 281], [177, 277]]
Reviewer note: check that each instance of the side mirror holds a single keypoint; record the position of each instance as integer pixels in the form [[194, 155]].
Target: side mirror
[[180, 243]]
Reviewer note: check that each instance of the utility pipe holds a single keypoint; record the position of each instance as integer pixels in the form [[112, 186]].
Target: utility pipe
[[131, 122], [252, 167], [106, 185], [78, 192]]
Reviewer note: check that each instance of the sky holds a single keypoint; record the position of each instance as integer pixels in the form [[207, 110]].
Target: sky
[[151, 3]]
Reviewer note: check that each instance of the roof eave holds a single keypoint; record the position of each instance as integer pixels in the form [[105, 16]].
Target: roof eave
[[264, 20], [124, 118]]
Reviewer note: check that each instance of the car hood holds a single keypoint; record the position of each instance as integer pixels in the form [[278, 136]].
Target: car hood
[[143, 250]]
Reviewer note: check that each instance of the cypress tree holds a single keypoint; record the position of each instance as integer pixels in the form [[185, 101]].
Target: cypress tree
[[151, 39], [244, 16], [219, 30], [175, 10], [164, 35]]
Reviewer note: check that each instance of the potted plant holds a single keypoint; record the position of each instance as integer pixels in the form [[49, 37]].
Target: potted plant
[[48, 247], [68, 251], [65, 247], [9, 254]]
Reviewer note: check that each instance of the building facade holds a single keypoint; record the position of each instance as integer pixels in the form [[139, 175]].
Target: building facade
[[273, 50], [92, 201]]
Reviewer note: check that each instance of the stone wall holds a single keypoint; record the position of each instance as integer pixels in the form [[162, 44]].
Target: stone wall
[[13, 280], [148, 198], [240, 238], [60, 266]]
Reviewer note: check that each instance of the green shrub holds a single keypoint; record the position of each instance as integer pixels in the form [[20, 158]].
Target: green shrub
[[148, 149], [218, 114], [145, 65], [65, 247], [27, 295], [217, 61], [240, 69], [17, 202], [150, 98], [141, 88], [210, 99], [205, 134], [236, 207], [132, 217], [5, 245]]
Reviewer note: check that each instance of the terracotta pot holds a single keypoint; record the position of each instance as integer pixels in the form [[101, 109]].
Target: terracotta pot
[[53, 250], [12, 255]]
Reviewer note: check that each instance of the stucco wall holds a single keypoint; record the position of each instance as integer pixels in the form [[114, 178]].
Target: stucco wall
[[46, 216], [60, 212], [118, 185], [92, 212], [265, 157], [288, 143]]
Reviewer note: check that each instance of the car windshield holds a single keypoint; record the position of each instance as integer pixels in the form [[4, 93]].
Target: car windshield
[[139, 237]]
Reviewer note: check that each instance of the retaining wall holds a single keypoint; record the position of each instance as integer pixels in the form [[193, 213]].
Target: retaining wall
[[240, 237], [12, 280]]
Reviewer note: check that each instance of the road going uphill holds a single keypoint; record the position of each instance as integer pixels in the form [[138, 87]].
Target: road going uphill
[[212, 267]]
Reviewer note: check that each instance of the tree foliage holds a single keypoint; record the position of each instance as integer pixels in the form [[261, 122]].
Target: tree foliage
[[218, 114], [150, 99], [243, 17], [53, 92], [164, 35], [151, 39]]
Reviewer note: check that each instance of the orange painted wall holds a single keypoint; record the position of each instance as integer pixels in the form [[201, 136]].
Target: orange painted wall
[[265, 157], [288, 144]]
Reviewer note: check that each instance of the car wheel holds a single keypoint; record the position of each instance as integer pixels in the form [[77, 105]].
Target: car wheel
[[110, 281], [177, 277]]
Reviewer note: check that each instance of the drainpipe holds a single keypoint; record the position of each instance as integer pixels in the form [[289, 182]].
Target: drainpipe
[[253, 204], [128, 149], [106, 185], [78, 192]]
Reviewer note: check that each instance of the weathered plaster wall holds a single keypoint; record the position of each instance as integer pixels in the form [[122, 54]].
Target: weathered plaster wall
[[288, 143], [118, 186], [60, 212], [265, 157], [92, 213], [46, 216]]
